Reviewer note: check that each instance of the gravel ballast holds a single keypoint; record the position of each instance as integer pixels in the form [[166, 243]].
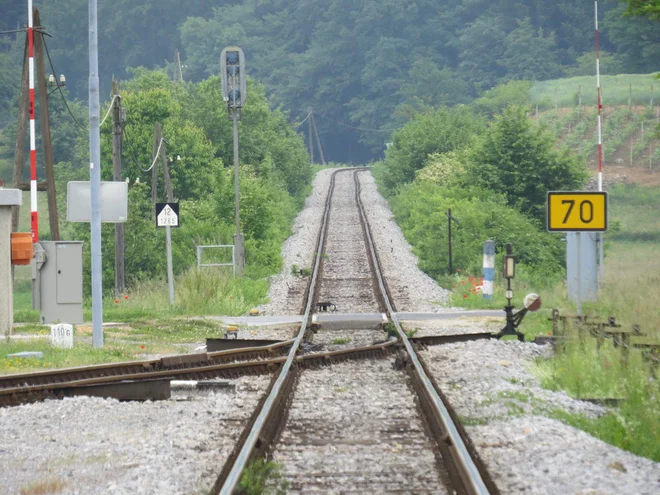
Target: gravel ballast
[[411, 288], [87, 445], [502, 404], [286, 291]]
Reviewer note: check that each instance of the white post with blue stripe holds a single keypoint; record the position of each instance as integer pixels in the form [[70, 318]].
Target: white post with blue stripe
[[489, 269]]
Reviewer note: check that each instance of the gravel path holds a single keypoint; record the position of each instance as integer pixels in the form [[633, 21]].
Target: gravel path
[[490, 385], [286, 290], [346, 276], [412, 289], [354, 428], [87, 445]]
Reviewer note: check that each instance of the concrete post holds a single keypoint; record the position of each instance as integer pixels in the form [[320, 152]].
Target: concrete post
[[8, 198], [489, 270]]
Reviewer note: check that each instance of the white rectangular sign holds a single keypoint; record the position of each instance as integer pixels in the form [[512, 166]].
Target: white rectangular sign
[[114, 201], [61, 335]]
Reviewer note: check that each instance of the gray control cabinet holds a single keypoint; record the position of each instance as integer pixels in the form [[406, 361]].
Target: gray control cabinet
[[61, 282]]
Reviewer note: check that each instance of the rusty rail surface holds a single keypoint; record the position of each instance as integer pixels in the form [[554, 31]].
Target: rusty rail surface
[[119, 371], [467, 472]]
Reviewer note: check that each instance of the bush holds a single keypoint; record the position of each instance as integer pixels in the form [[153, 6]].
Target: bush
[[520, 161], [427, 133], [420, 209]]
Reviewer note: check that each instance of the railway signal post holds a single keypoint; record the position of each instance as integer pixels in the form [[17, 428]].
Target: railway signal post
[[234, 93], [579, 214]]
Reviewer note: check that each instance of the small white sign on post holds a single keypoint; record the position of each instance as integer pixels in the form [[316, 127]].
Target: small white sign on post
[[61, 335]]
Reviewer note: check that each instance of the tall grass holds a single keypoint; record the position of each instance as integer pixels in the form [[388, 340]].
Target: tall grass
[[210, 291]]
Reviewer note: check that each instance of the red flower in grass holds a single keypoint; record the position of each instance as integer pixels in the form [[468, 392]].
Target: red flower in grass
[[465, 296], [458, 270], [141, 347], [126, 297], [116, 301]]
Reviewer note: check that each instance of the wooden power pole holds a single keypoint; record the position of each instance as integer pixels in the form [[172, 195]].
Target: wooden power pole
[[118, 120], [309, 132], [19, 150], [318, 141]]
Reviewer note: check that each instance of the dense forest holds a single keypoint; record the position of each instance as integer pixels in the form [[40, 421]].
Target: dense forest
[[364, 66]]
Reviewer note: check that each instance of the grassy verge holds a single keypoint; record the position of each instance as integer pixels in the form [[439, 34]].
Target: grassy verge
[[630, 293], [139, 340]]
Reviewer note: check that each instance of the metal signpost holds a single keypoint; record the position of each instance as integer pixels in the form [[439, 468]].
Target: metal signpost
[[167, 216], [95, 176], [577, 211], [234, 93]]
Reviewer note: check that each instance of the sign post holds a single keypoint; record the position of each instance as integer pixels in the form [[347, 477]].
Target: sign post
[[577, 211], [167, 216]]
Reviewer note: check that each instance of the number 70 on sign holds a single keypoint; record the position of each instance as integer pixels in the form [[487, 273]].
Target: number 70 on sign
[[579, 211]]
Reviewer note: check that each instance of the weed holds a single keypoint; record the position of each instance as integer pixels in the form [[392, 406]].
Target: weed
[[295, 270], [391, 330], [341, 340], [263, 477], [411, 332], [44, 487], [306, 272]]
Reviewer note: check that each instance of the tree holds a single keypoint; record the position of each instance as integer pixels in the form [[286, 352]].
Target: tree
[[529, 54], [521, 161], [435, 132], [648, 8]]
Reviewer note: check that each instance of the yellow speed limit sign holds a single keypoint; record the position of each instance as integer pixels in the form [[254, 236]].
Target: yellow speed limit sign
[[577, 211]]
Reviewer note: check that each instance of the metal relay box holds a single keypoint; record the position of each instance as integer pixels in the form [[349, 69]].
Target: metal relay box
[[57, 282]]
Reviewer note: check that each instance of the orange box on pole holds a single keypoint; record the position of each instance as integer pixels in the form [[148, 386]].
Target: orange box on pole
[[22, 249]]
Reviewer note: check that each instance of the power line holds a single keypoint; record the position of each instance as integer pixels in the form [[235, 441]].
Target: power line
[[383, 130], [112, 102], [304, 120], [61, 92]]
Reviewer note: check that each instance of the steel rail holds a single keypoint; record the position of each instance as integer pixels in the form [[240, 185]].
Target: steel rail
[[29, 393], [244, 455], [468, 470], [121, 369]]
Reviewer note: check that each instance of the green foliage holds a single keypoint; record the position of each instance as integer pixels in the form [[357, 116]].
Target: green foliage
[[610, 64], [263, 478], [519, 160], [444, 169], [435, 132], [420, 207], [274, 177], [364, 66], [584, 372], [648, 8], [497, 99]]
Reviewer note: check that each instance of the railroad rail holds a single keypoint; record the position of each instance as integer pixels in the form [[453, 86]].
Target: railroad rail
[[464, 469], [119, 371]]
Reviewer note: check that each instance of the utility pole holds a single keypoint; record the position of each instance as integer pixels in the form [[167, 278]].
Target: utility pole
[[118, 119], [158, 136], [95, 176], [19, 150], [178, 73], [309, 132], [44, 116], [318, 141], [170, 199], [450, 219]]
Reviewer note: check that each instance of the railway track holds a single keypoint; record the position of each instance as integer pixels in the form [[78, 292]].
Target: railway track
[[380, 427]]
